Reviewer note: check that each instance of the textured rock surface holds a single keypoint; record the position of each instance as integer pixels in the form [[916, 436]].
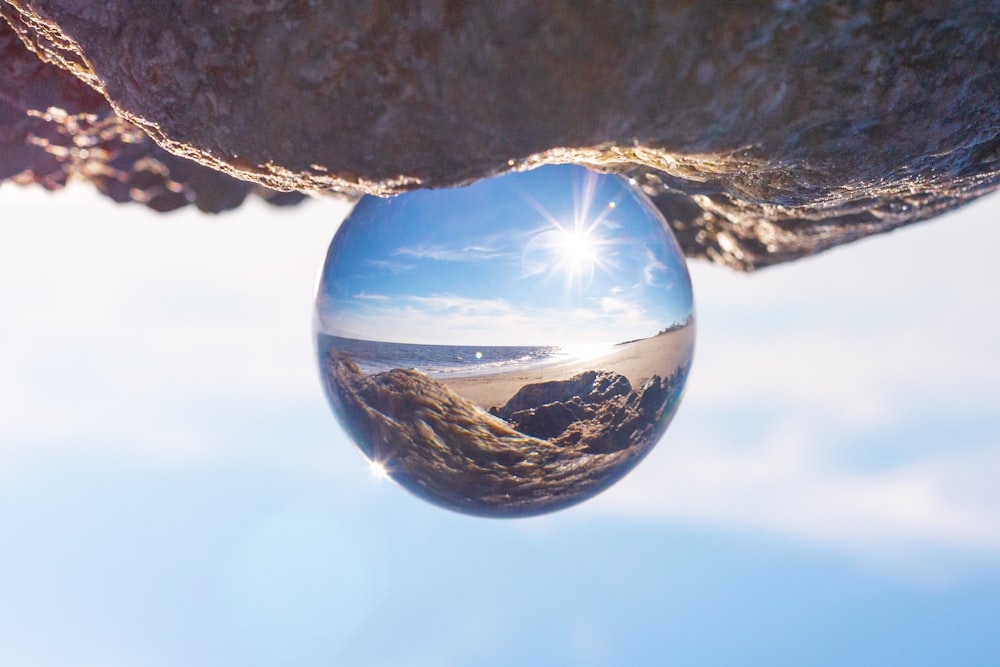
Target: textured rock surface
[[588, 387], [448, 450], [764, 130], [54, 127]]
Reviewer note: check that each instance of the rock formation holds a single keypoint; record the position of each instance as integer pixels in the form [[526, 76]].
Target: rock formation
[[558, 447], [765, 131], [53, 127], [588, 387], [598, 409]]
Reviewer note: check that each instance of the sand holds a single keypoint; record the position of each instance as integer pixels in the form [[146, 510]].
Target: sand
[[637, 361]]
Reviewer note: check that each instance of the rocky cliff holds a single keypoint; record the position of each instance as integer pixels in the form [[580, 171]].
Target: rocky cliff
[[765, 131]]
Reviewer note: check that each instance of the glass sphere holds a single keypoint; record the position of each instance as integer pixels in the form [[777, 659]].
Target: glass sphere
[[508, 348]]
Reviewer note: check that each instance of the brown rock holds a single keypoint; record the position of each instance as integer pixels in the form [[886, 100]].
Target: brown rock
[[546, 421], [586, 387], [53, 128], [765, 131], [448, 450]]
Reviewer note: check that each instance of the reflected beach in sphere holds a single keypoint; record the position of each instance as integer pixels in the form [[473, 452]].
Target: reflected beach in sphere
[[508, 348]]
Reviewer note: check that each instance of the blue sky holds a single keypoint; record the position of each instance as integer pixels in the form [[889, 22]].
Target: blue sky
[[549, 257], [174, 489]]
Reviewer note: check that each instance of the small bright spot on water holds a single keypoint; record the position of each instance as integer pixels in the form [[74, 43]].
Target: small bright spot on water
[[513, 347]]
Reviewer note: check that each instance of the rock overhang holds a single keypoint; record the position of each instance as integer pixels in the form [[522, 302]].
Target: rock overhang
[[764, 131]]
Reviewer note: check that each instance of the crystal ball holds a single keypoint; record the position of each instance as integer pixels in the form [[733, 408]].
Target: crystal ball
[[508, 348]]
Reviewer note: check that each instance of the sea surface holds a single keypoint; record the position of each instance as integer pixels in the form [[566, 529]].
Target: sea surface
[[448, 360]]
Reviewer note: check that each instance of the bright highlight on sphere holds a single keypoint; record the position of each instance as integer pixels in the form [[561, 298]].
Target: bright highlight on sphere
[[508, 348], [378, 470], [576, 247]]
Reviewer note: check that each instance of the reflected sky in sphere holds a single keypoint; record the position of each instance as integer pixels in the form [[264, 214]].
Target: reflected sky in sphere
[[559, 255], [508, 348]]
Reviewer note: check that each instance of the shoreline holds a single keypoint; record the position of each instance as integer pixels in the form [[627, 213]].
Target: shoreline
[[638, 360]]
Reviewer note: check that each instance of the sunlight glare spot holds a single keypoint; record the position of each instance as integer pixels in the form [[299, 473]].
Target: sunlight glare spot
[[378, 470], [577, 247]]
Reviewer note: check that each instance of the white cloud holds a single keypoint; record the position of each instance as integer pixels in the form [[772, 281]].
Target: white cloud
[[653, 268], [788, 482], [447, 253], [461, 305], [132, 332], [390, 266], [847, 401], [448, 319], [146, 335]]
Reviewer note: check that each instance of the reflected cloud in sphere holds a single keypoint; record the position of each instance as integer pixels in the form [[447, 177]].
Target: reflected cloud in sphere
[[508, 348]]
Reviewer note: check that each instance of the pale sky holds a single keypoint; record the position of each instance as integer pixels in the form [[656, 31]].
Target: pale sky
[[174, 489]]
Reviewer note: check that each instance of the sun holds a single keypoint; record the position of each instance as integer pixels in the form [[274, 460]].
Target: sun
[[576, 251], [575, 247], [572, 249]]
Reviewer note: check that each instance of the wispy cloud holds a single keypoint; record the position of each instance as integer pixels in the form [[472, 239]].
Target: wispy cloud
[[447, 253], [460, 304], [390, 266], [627, 314], [199, 320], [787, 481], [448, 319], [832, 403], [653, 269]]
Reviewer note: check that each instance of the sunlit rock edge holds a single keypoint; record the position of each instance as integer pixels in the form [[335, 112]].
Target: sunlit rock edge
[[783, 129]]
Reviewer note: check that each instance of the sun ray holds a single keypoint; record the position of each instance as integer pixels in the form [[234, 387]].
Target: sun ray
[[574, 245]]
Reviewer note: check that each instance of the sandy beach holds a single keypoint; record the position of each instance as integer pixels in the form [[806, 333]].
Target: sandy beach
[[637, 361]]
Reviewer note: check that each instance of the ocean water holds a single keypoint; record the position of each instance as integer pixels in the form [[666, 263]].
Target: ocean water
[[444, 360]]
